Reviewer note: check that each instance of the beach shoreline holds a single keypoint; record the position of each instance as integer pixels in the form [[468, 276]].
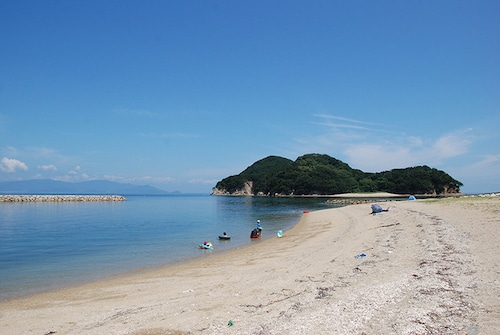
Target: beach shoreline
[[424, 267]]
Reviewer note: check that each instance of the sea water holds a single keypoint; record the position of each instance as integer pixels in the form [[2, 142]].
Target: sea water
[[49, 245]]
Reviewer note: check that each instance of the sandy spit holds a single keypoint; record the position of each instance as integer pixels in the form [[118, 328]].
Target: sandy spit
[[370, 195], [424, 267]]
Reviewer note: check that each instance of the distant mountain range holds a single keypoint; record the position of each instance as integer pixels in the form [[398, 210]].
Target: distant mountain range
[[47, 186]]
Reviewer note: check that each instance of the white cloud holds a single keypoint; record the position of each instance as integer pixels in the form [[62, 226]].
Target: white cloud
[[49, 167], [379, 157], [75, 171], [10, 165], [399, 153]]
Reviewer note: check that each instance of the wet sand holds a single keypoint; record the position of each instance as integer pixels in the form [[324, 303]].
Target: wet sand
[[424, 267]]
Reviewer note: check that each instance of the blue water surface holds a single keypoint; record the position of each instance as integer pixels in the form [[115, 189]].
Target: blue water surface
[[49, 245]]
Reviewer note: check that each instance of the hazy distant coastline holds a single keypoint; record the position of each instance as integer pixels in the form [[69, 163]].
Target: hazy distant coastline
[[90, 187], [60, 198]]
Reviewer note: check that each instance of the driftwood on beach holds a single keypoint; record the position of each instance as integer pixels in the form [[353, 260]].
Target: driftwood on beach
[[60, 198]]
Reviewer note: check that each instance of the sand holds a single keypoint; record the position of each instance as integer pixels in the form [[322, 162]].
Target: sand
[[430, 267], [369, 195]]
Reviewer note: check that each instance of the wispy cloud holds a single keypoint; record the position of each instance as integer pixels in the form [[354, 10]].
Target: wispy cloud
[[9, 151], [451, 145], [135, 112], [170, 135], [372, 146], [74, 175], [139, 180], [348, 120], [386, 154], [489, 166], [377, 157], [203, 181], [49, 167], [487, 161], [347, 123], [75, 170]]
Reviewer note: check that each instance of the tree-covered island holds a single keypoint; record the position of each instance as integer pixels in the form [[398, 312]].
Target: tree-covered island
[[317, 174]]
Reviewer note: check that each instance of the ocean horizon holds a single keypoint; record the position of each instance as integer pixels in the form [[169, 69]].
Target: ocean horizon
[[52, 245]]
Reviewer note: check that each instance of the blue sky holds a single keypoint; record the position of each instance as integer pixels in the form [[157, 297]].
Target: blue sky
[[180, 94]]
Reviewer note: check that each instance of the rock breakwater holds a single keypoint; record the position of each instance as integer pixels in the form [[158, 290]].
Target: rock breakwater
[[354, 201], [60, 198]]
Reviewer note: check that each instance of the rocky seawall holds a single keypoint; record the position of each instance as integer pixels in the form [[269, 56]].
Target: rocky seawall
[[60, 198], [354, 201]]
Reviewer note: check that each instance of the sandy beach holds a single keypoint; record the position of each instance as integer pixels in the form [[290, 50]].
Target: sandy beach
[[424, 267]]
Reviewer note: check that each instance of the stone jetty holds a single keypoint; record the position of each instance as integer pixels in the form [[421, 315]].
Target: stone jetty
[[354, 201], [60, 198]]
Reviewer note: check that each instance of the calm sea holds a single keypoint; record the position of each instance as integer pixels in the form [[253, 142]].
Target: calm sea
[[48, 245]]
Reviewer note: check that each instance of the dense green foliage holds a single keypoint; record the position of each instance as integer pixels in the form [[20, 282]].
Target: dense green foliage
[[322, 175]]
